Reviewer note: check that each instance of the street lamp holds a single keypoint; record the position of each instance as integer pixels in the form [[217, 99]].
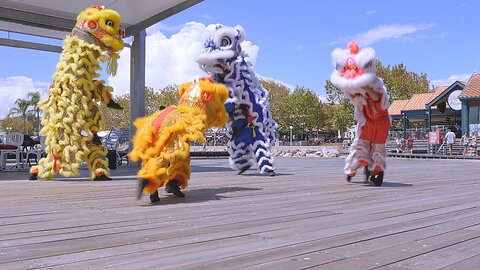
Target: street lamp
[[291, 135], [214, 136]]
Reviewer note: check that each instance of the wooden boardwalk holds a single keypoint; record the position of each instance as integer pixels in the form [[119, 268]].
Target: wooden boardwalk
[[426, 216]]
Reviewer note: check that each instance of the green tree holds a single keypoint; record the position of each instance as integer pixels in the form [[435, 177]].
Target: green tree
[[279, 103], [117, 118], [34, 99], [401, 83], [13, 124], [341, 117], [167, 96], [340, 109], [21, 110], [307, 111]]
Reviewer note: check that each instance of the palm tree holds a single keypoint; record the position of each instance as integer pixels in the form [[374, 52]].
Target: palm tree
[[21, 110], [34, 99]]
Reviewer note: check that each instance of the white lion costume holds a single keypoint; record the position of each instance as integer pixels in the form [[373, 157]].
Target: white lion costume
[[354, 73], [251, 127]]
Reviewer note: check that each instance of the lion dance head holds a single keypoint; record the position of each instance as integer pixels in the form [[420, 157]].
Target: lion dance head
[[353, 68], [207, 96], [101, 26]]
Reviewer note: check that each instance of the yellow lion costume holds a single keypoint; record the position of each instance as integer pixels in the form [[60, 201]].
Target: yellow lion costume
[[162, 139], [71, 111]]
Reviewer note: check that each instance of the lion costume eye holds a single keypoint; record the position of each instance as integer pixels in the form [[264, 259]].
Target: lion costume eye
[[226, 41], [109, 23], [369, 64], [207, 97]]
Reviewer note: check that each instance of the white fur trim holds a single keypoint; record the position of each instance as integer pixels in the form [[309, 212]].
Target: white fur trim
[[351, 86]]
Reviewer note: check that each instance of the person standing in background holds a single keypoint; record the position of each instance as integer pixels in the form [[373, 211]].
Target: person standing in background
[[473, 145], [410, 144], [450, 138], [465, 140]]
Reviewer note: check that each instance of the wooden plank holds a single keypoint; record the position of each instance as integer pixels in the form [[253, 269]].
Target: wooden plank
[[469, 263], [307, 216]]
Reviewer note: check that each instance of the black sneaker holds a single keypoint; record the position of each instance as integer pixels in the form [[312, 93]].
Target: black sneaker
[[33, 176], [377, 180], [172, 187], [243, 169], [102, 177], [154, 197]]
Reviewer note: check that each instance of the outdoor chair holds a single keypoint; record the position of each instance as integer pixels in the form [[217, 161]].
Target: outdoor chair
[[37, 151], [14, 140]]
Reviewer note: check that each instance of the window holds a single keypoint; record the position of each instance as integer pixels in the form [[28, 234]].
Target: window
[[474, 115]]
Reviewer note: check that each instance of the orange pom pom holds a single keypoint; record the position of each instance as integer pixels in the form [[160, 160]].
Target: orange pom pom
[[353, 46]]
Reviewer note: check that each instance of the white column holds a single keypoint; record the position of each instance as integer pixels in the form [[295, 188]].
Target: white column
[[137, 79]]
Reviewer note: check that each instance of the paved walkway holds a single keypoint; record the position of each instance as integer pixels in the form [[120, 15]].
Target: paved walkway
[[426, 216]]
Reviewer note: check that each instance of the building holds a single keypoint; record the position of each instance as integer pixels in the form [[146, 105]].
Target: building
[[454, 106]]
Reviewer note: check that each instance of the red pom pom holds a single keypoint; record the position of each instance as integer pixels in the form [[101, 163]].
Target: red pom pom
[[98, 7], [210, 79], [92, 25]]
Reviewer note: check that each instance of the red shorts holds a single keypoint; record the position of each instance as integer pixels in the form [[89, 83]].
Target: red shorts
[[376, 131]]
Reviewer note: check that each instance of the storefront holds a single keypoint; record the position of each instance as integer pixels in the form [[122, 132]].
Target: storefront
[[456, 106], [470, 99]]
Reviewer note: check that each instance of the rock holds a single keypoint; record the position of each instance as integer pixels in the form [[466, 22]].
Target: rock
[[330, 152]]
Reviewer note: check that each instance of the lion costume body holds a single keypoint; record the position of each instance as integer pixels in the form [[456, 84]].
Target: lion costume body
[[354, 73], [71, 111], [251, 127], [162, 139]]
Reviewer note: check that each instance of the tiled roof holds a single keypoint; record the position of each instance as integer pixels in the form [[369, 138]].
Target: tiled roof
[[397, 106], [439, 90], [472, 89], [418, 101]]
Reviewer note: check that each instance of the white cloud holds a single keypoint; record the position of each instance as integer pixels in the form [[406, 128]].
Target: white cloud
[[208, 17], [393, 31], [323, 99], [171, 60], [455, 77], [370, 12], [298, 48], [444, 34], [13, 88], [291, 87], [163, 27]]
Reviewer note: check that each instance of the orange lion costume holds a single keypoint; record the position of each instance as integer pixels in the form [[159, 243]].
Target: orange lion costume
[[162, 139]]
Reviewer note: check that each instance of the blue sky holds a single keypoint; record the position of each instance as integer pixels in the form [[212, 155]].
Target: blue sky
[[295, 38], [290, 41]]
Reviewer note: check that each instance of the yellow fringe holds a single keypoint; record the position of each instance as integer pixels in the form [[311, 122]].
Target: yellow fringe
[[70, 109], [112, 64], [166, 156]]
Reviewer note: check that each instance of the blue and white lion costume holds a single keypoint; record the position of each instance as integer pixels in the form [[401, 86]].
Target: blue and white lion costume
[[251, 126]]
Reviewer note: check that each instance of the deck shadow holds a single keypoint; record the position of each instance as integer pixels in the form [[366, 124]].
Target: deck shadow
[[255, 172], [393, 184], [384, 185], [198, 168], [197, 195]]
